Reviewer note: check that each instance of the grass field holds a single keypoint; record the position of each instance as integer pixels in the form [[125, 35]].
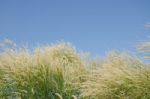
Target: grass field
[[58, 71]]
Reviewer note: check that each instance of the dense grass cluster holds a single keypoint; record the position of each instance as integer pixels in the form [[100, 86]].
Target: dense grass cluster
[[59, 72]]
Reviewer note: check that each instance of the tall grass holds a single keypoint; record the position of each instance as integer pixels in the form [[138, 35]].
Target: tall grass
[[120, 77], [59, 72], [47, 73]]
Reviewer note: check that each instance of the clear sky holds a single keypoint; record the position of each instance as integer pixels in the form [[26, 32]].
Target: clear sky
[[96, 26]]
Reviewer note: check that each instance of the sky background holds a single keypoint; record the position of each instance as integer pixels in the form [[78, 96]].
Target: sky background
[[95, 26]]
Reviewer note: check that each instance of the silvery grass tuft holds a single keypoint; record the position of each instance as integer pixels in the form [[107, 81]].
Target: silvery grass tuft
[[48, 73], [121, 76]]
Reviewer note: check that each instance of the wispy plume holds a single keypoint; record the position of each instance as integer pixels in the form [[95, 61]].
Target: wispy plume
[[147, 25]]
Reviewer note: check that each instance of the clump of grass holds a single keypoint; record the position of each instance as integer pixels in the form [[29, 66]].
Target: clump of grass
[[121, 76], [41, 74]]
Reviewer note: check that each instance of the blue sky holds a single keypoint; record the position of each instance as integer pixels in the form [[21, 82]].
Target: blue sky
[[95, 26]]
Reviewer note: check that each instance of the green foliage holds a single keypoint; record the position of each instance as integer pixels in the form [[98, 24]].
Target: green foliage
[[40, 75], [59, 72]]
